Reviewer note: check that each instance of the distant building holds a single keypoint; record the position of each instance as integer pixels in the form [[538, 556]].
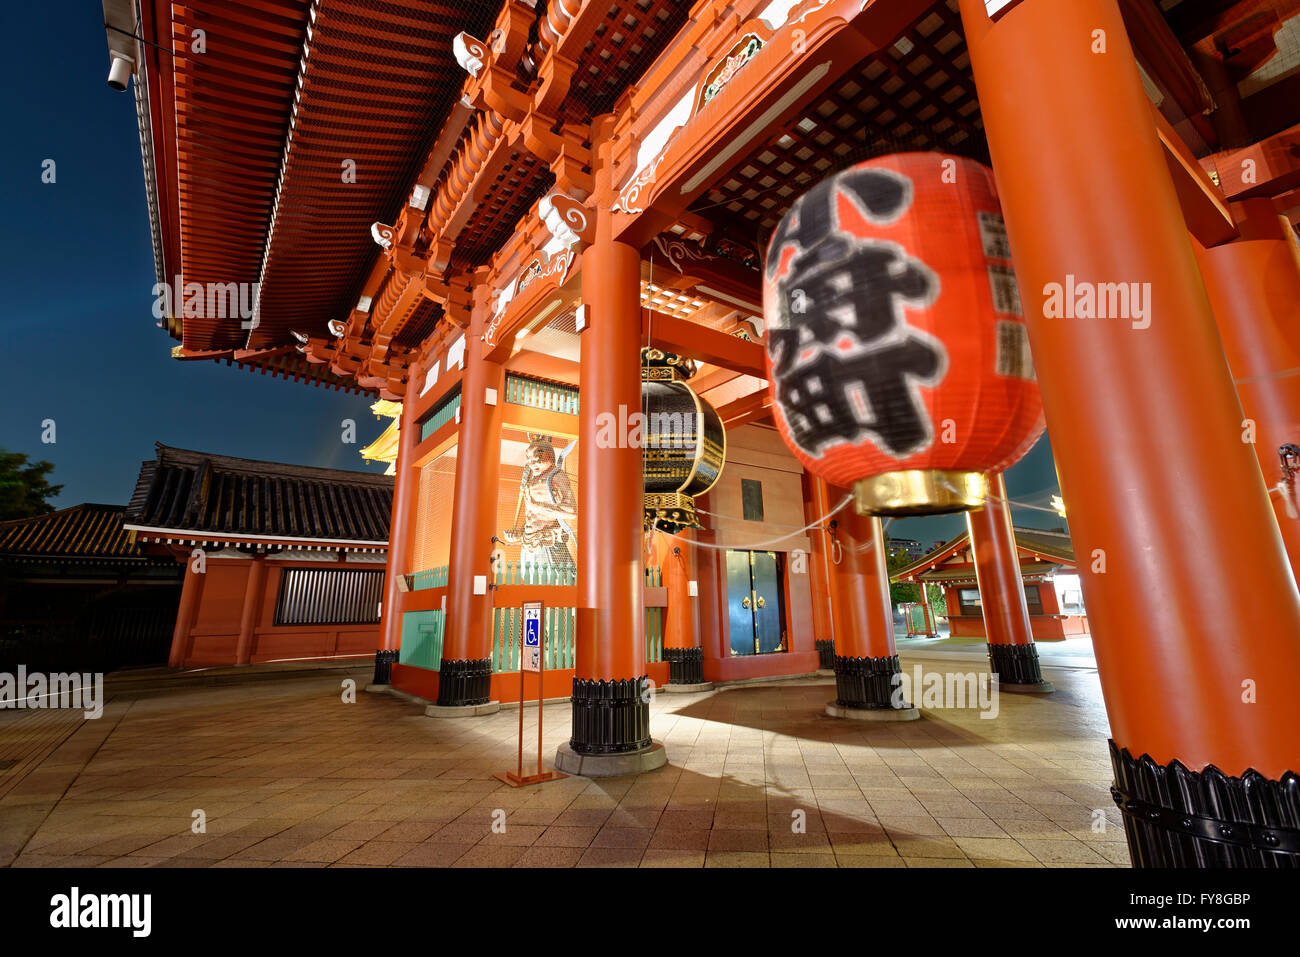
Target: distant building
[[78, 592], [911, 546], [1048, 570], [281, 562]]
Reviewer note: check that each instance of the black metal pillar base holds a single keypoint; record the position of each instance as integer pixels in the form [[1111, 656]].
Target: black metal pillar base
[[868, 683], [1017, 668], [462, 683], [384, 661], [611, 717], [685, 666], [825, 654], [1174, 817]]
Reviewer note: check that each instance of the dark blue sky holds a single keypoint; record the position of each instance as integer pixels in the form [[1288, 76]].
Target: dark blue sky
[[78, 340], [77, 333]]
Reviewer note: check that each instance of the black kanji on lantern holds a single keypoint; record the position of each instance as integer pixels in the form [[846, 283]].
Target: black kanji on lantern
[[845, 364]]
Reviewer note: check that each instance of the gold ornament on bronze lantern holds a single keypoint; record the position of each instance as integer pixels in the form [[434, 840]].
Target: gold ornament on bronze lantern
[[684, 444]]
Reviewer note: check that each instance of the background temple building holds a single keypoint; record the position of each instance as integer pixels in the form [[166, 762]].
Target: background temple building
[[486, 211], [281, 562], [1053, 597], [78, 591]]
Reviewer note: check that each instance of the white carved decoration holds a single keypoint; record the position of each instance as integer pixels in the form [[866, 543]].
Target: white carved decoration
[[679, 251], [657, 138], [565, 219], [777, 12], [503, 297], [383, 235], [629, 197], [336, 328], [469, 52]]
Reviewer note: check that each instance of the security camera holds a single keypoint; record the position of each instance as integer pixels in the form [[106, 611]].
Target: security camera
[[119, 73]]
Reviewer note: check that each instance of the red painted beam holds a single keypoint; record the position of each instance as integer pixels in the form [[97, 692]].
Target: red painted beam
[[1266, 168], [703, 344], [1204, 208]]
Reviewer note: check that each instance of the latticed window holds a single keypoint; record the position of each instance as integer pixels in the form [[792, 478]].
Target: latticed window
[[329, 596], [1033, 600]]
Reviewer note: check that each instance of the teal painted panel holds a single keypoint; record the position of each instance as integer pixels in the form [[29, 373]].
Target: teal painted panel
[[440, 416], [422, 639], [429, 578]]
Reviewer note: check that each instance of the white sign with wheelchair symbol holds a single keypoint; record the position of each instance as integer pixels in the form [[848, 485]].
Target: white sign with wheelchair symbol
[[530, 658]]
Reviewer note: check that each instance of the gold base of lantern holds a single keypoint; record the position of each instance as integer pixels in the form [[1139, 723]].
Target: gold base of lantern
[[920, 492], [670, 511]]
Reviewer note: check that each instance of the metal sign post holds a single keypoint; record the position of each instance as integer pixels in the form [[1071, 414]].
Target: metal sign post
[[531, 650]]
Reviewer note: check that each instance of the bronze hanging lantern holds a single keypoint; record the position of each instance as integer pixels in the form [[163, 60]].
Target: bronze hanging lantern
[[684, 444]]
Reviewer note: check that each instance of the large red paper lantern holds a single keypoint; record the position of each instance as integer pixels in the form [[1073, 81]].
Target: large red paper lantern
[[897, 354]]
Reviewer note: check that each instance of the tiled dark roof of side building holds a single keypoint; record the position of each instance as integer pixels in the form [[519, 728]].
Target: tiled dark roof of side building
[[82, 531], [1053, 545], [183, 490]]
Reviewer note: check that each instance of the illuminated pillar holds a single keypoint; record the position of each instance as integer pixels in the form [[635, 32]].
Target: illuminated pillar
[[681, 625], [1146, 430], [1254, 287], [819, 505], [401, 531], [867, 682], [254, 588], [186, 612], [931, 627], [611, 710], [1013, 657], [465, 675]]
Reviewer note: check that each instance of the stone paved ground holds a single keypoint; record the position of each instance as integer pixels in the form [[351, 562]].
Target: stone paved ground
[[289, 775]]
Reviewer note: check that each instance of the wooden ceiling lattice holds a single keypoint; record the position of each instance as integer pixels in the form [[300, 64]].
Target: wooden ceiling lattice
[[631, 35], [497, 209], [670, 302], [917, 94], [421, 324]]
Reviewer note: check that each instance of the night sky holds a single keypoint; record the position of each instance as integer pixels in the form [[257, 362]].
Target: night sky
[[80, 344]]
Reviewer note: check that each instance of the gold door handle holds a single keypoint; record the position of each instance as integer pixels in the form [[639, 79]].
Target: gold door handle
[[745, 603], [760, 602]]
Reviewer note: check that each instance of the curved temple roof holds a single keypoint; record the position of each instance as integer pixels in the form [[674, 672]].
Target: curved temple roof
[[185, 491], [82, 531], [1040, 551]]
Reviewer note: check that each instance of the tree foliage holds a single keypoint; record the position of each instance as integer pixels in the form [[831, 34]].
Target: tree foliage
[[24, 486], [911, 591]]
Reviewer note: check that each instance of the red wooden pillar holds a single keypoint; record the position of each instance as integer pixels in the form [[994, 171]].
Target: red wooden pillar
[[465, 675], [1254, 287], [401, 533], [712, 601], [611, 710], [867, 672], [1146, 429], [822, 561], [254, 588], [1013, 656], [186, 613], [681, 626], [931, 628]]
